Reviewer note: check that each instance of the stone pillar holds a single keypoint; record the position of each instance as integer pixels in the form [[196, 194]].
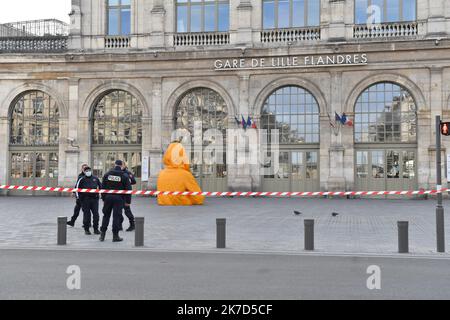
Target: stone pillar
[[426, 132], [335, 31], [157, 128], [436, 23], [75, 26], [157, 19], [69, 146], [240, 175], [331, 146], [241, 21], [4, 155]]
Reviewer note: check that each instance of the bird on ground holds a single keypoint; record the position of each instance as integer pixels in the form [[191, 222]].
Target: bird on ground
[[297, 213]]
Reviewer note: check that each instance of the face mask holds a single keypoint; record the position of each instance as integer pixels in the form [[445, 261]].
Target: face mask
[[88, 173]]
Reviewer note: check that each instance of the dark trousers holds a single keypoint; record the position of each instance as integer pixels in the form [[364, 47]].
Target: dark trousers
[[113, 204], [76, 210], [90, 205], [128, 212]]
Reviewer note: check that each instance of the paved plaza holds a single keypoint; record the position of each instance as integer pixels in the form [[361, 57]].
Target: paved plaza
[[253, 224]]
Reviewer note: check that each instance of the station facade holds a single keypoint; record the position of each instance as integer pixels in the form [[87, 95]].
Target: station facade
[[127, 73]]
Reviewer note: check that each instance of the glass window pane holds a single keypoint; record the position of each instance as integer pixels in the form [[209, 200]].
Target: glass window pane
[[409, 10], [313, 12], [283, 13], [224, 17], [298, 13], [196, 18], [377, 9], [182, 19], [389, 115], [361, 11], [210, 17], [393, 11], [126, 22], [113, 22], [269, 15]]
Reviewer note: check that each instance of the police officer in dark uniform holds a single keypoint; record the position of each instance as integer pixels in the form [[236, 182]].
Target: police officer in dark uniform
[[127, 208], [89, 201], [77, 209], [115, 179]]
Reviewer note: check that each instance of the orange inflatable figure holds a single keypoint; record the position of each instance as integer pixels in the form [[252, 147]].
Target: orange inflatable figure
[[177, 176]]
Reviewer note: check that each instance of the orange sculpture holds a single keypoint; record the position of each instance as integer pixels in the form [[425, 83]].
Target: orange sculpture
[[177, 176]]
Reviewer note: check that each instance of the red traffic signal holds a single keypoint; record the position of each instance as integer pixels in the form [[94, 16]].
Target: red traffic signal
[[445, 128]]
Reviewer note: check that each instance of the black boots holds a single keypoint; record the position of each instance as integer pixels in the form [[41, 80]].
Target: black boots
[[116, 237], [96, 231], [132, 227], [87, 232], [71, 223]]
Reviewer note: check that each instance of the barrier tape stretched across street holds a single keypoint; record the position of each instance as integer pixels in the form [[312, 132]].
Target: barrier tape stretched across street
[[227, 194]]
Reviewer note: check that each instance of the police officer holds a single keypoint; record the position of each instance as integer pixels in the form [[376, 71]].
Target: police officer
[[76, 210], [127, 208], [115, 179], [89, 201]]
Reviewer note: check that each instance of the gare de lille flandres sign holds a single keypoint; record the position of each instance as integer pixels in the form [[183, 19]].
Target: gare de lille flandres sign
[[285, 62]]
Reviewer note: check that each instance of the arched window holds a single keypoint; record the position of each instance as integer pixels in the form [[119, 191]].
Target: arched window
[[385, 113], [117, 119], [35, 120], [117, 132], [386, 138], [204, 106], [294, 112], [205, 109], [34, 140]]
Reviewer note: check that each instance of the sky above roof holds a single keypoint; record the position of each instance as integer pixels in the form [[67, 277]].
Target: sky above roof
[[20, 10]]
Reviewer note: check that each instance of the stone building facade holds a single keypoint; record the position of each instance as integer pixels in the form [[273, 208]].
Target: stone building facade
[[131, 72]]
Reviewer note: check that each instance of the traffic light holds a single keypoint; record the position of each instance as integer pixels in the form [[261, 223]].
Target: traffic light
[[445, 128]]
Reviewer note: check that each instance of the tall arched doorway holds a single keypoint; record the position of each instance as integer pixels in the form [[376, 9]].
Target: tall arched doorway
[[34, 140], [116, 124], [200, 110], [294, 112], [385, 138]]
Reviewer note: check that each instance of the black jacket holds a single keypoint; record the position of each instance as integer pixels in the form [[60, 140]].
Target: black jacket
[[116, 179], [131, 177], [88, 183]]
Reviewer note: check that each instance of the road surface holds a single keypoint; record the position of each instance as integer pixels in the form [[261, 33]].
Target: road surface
[[41, 274]]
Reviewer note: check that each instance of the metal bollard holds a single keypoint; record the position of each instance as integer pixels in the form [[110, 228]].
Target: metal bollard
[[139, 233], [403, 237], [309, 235], [221, 233], [62, 231]]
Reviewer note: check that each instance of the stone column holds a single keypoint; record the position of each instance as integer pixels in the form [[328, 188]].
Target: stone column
[[426, 133], [241, 175], [241, 22], [4, 155], [157, 19], [335, 30], [331, 141], [75, 26], [436, 23], [157, 128], [69, 144]]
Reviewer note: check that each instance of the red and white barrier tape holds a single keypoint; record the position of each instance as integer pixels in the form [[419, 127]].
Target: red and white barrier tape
[[227, 194]]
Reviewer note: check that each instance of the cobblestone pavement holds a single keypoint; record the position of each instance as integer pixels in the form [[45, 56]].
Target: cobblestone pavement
[[363, 226]]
